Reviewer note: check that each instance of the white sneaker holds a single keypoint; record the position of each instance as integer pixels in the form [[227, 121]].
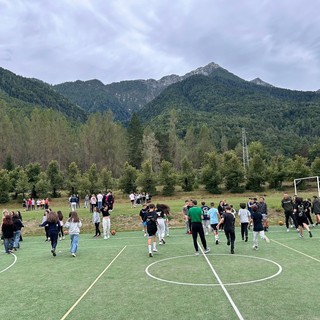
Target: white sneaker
[[207, 250], [206, 233], [288, 230], [267, 239], [155, 250], [255, 247], [73, 254], [197, 253], [105, 237]]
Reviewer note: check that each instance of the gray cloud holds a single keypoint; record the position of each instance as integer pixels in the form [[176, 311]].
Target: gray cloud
[[114, 40]]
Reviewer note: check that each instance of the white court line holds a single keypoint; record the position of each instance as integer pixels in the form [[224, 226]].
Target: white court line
[[93, 283], [14, 261], [235, 308], [304, 254]]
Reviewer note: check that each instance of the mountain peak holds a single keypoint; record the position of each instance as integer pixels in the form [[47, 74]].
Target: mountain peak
[[260, 82], [206, 70]]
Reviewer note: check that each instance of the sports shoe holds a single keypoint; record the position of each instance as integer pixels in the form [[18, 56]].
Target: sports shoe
[[228, 243], [207, 250], [232, 251], [266, 239], [288, 230], [163, 242], [206, 233], [197, 253], [300, 235], [246, 239], [60, 238], [73, 254], [53, 252], [255, 247], [150, 255], [310, 234], [217, 241], [105, 237], [155, 250]]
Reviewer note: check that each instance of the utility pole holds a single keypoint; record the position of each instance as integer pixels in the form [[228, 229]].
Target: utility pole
[[245, 153]]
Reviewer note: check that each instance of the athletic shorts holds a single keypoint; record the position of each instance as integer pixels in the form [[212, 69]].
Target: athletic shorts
[[264, 216], [302, 220], [144, 223], [214, 226], [151, 232]]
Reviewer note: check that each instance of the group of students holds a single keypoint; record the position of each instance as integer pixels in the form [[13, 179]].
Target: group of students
[[155, 224], [298, 212], [200, 219], [53, 225], [11, 230]]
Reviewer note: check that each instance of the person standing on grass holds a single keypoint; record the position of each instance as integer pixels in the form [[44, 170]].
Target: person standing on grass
[[161, 228], [143, 211], [74, 224], [206, 218], [105, 221], [61, 233], [244, 215], [287, 205], [151, 220], [307, 205], [228, 220], [17, 226], [53, 224], [196, 216], [7, 231], [96, 221], [256, 219], [315, 208], [185, 217], [214, 220], [302, 220], [263, 209]]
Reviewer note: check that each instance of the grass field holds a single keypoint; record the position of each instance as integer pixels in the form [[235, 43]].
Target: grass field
[[115, 279]]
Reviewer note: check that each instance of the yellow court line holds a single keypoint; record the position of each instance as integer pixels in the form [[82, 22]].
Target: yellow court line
[[93, 283]]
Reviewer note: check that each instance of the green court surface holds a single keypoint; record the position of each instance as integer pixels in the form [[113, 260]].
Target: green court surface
[[116, 279]]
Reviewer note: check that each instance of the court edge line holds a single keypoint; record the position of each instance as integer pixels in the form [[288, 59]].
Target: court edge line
[[235, 308], [15, 260], [93, 283], [304, 254]]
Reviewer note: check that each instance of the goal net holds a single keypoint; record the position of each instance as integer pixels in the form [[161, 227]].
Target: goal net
[[296, 182]]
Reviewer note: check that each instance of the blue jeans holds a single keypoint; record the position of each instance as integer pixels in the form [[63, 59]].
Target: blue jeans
[[74, 242], [16, 239], [8, 243]]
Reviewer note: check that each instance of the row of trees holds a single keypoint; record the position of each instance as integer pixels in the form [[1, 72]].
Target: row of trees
[[218, 172]]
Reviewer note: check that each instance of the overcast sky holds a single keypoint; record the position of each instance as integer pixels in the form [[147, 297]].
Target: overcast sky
[[113, 40]]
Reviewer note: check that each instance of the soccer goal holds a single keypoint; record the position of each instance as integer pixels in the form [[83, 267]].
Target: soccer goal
[[297, 181]]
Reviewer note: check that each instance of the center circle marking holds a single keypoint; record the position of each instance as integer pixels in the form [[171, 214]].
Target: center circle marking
[[214, 284]]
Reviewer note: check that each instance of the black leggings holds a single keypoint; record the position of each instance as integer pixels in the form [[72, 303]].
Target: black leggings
[[98, 233], [231, 237], [289, 214], [244, 229], [197, 228]]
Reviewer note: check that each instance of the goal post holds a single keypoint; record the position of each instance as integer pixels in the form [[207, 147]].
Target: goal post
[[297, 181]]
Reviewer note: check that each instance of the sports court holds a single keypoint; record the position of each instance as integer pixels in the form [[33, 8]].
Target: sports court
[[116, 279]]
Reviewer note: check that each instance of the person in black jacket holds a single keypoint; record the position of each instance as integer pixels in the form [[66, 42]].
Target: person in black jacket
[[17, 226], [287, 205], [302, 220], [7, 230]]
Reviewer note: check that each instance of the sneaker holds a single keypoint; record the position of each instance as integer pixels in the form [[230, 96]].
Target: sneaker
[[228, 243], [310, 234], [150, 255], [207, 250], [53, 252], [60, 238], [105, 237], [155, 250], [206, 233], [73, 254], [163, 242], [197, 253], [300, 235], [217, 241], [246, 239], [255, 247], [288, 230], [63, 237], [232, 251], [145, 234], [267, 239]]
